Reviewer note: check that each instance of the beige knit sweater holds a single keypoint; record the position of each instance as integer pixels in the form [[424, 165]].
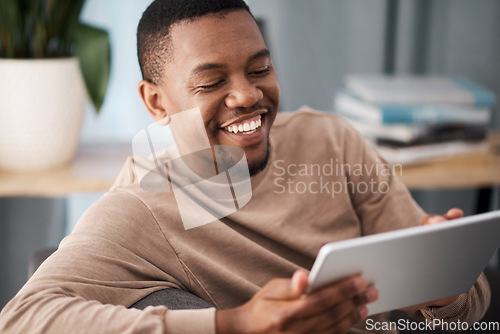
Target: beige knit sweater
[[132, 242]]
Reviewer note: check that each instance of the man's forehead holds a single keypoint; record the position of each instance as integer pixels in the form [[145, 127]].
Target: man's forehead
[[215, 34]]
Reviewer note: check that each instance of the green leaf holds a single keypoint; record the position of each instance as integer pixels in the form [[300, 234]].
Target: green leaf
[[66, 25], [10, 28], [94, 51]]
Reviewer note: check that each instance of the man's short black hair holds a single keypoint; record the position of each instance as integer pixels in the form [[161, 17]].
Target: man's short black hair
[[153, 39]]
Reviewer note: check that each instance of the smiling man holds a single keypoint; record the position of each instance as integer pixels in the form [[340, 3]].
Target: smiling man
[[219, 64], [130, 248]]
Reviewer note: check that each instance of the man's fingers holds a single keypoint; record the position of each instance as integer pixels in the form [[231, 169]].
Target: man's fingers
[[433, 219], [454, 214], [336, 320], [354, 291], [287, 289], [436, 219], [346, 312], [281, 305], [354, 308], [347, 322], [327, 324]]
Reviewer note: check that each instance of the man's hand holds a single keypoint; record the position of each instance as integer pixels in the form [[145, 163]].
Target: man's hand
[[436, 219], [431, 220], [280, 306]]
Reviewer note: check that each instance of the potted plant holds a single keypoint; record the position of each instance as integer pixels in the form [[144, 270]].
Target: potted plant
[[44, 53]]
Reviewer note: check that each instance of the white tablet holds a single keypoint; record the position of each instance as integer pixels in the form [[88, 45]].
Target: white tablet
[[414, 265]]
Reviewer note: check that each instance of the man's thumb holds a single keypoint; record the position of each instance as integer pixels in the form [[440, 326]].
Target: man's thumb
[[299, 282], [287, 289]]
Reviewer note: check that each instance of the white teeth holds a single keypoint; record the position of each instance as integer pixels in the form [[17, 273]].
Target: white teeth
[[248, 128]]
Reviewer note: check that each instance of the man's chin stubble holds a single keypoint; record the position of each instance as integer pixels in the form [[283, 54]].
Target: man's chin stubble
[[254, 170]]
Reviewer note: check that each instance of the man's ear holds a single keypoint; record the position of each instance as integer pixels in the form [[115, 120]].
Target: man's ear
[[150, 95]]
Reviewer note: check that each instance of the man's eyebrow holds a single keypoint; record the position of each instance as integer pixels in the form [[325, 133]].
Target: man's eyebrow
[[205, 67], [214, 66], [260, 54]]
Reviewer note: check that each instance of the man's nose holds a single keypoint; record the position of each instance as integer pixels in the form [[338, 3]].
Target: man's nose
[[243, 94]]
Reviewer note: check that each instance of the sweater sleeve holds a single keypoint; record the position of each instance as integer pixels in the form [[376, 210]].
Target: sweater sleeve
[[391, 207], [116, 256], [381, 201], [469, 307]]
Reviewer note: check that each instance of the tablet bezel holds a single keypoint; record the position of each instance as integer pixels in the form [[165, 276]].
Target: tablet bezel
[[436, 261]]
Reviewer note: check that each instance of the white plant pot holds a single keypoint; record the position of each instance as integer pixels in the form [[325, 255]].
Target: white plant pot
[[42, 103]]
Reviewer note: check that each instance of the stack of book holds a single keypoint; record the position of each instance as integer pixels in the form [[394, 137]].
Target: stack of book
[[415, 119]]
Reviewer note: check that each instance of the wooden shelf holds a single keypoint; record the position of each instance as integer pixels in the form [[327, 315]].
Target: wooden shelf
[[463, 171], [94, 169]]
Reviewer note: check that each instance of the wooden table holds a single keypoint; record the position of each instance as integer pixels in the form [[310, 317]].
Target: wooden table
[[477, 170], [96, 166], [94, 169], [480, 170]]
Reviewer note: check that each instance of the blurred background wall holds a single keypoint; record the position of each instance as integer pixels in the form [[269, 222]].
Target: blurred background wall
[[314, 44]]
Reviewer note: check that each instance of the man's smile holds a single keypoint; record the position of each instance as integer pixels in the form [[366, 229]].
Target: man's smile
[[246, 127], [246, 132]]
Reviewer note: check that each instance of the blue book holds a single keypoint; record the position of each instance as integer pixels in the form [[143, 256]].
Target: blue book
[[352, 106], [420, 89]]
